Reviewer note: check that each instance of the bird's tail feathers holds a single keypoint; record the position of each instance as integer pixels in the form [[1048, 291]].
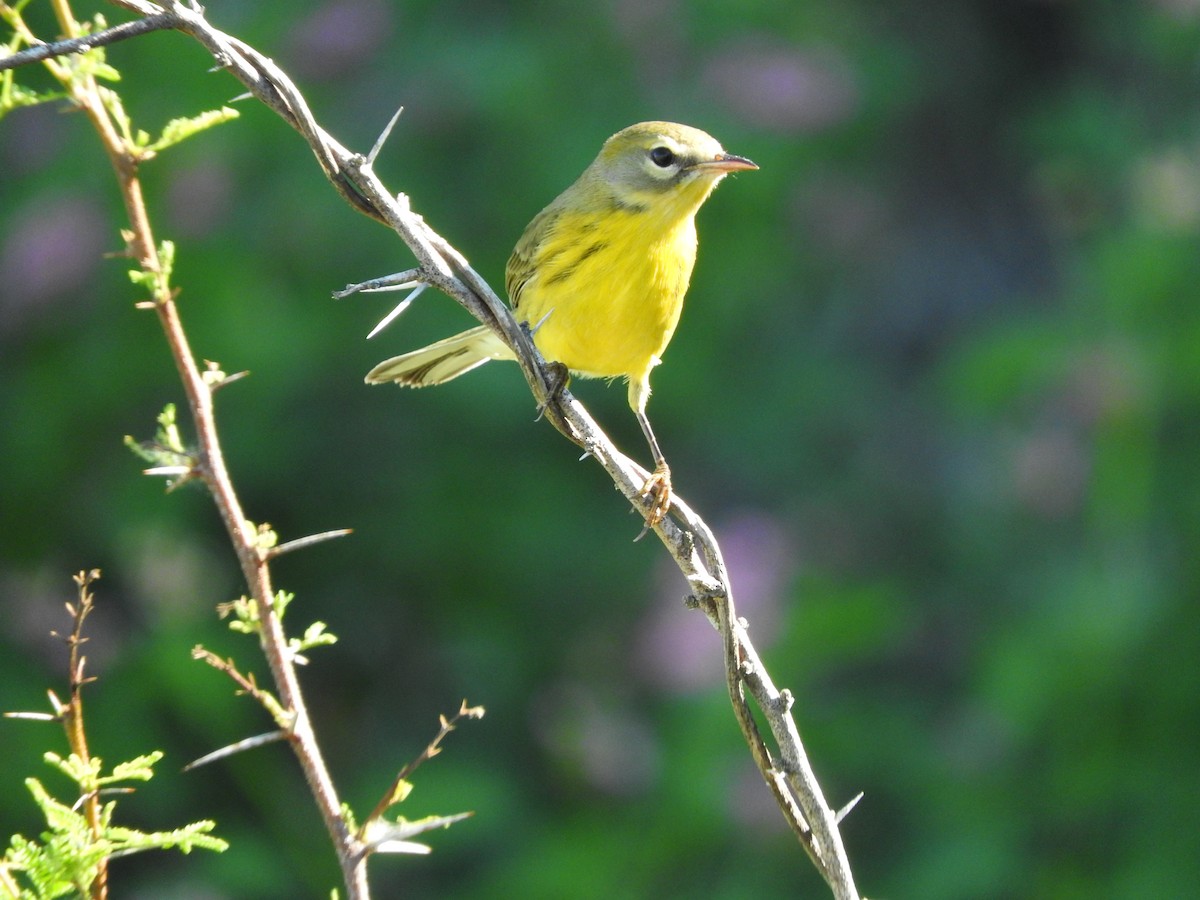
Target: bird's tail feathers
[[442, 361]]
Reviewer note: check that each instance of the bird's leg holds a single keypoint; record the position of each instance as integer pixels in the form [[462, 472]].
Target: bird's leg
[[658, 485]]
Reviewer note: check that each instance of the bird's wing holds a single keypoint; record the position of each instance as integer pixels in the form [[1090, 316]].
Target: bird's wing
[[527, 255]]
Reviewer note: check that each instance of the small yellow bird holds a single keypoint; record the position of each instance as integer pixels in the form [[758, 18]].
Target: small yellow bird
[[600, 273]]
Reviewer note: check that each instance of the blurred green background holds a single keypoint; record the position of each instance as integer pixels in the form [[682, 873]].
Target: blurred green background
[[937, 388]]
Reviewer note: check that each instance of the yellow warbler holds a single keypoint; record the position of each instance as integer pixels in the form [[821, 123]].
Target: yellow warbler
[[601, 272]]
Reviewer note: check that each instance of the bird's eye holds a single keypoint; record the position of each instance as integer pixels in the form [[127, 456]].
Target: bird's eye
[[663, 157]]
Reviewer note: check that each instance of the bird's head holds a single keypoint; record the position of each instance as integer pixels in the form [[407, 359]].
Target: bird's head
[[664, 166]]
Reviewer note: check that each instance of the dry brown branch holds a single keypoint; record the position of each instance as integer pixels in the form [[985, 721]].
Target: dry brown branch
[[431, 750]]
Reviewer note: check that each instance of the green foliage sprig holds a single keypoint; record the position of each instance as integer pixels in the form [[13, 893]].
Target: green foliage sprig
[[68, 855], [71, 855]]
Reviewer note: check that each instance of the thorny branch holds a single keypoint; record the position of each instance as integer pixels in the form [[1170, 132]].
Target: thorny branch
[[787, 773], [86, 42], [102, 109]]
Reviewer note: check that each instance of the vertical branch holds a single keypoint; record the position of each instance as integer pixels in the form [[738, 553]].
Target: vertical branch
[[99, 104], [71, 715]]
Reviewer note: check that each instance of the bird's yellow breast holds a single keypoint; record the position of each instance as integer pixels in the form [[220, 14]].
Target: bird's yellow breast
[[607, 288]]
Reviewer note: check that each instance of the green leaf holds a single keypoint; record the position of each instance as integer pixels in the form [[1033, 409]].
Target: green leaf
[[281, 602], [314, 636], [166, 453], [166, 260], [84, 774], [14, 96], [59, 816], [140, 768], [168, 431], [127, 841], [68, 857], [181, 129], [245, 615], [400, 792]]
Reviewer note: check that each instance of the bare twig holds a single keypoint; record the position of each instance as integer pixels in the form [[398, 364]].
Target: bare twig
[[395, 790], [71, 713], [86, 42], [247, 684], [400, 281]]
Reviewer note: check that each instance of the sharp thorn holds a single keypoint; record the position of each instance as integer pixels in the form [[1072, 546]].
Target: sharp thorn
[[383, 136], [237, 747], [845, 810], [32, 716], [308, 541]]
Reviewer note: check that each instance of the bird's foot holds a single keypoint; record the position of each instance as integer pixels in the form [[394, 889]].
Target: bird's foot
[[658, 488], [558, 377]]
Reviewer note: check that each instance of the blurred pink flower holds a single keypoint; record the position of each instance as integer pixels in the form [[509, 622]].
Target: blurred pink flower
[[51, 251], [200, 198], [677, 649], [338, 37], [597, 738], [782, 88]]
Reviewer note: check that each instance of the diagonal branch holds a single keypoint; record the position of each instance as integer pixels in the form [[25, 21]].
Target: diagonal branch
[[685, 536], [83, 43]]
